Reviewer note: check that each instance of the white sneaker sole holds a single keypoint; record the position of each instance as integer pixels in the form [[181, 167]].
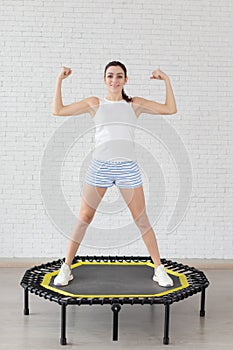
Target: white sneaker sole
[[64, 284], [161, 284]]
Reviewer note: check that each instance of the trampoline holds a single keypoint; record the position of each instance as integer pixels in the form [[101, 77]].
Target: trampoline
[[114, 280]]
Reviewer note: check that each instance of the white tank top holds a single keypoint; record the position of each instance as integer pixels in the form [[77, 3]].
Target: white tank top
[[115, 123]]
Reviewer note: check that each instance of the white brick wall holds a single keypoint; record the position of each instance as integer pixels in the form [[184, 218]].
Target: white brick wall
[[192, 43]]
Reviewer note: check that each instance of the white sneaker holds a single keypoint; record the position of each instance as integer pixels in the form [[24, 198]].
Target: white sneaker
[[64, 276], [161, 276]]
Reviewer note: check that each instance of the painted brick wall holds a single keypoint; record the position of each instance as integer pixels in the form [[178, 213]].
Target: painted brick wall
[[191, 41]]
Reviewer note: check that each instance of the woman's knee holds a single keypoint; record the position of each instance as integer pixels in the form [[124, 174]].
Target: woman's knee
[[86, 216], [81, 225], [142, 221]]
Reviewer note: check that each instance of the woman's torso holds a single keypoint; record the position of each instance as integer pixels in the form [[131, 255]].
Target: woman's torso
[[115, 124]]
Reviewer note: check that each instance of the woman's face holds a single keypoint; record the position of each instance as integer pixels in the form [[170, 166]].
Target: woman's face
[[115, 78]]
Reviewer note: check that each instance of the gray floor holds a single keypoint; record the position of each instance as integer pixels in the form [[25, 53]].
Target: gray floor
[[140, 327]]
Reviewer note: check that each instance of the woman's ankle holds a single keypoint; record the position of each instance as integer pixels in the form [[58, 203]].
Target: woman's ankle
[[67, 263], [157, 263]]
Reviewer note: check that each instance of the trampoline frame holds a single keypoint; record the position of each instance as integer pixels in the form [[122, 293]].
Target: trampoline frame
[[33, 279]]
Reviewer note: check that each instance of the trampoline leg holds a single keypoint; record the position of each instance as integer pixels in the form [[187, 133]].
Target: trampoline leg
[[63, 325], [115, 308], [202, 311], [166, 325], [26, 308]]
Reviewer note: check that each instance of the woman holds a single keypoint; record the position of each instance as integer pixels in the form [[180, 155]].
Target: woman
[[114, 161]]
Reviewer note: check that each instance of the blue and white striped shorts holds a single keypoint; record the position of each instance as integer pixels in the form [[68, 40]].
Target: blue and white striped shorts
[[106, 174]]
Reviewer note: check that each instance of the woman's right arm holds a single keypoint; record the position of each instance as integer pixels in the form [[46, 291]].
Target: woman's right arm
[[75, 108], [57, 100]]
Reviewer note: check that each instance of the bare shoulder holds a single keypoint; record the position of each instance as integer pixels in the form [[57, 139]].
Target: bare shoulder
[[137, 100], [93, 102], [136, 104]]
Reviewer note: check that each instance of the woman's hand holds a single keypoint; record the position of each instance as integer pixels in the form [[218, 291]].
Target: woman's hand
[[65, 72], [158, 74]]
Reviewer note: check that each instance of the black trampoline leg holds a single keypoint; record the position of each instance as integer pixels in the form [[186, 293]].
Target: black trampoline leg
[[115, 308], [166, 325], [26, 308], [202, 311], [63, 325]]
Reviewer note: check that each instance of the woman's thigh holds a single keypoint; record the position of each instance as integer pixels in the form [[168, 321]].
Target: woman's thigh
[[91, 197], [135, 199]]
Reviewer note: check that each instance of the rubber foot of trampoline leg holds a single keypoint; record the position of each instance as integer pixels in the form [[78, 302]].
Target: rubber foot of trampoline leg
[[202, 313], [63, 341], [165, 341], [26, 312]]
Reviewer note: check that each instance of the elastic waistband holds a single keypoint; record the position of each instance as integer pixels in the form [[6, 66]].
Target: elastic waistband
[[114, 162]]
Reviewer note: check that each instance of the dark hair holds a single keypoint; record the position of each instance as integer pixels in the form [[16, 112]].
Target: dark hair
[[117, 63]]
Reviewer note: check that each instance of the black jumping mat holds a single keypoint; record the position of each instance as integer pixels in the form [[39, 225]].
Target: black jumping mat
[[97, 279]]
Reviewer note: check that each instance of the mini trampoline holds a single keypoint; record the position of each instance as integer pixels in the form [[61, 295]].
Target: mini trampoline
[[114, 280]]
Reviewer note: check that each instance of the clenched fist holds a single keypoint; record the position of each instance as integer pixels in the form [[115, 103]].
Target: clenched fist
[[158, 74], [65, 72]]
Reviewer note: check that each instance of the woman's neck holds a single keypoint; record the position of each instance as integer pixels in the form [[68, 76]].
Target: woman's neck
[[114, 97]]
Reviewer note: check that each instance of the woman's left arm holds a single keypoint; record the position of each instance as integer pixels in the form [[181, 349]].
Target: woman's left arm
[[152, 107], [170, 98]]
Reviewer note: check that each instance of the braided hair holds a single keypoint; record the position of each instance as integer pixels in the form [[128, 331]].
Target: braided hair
[[117, 63]]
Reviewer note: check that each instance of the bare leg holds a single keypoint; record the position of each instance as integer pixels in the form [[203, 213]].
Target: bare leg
[[71, 251], [135, 200], [91, 198]]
